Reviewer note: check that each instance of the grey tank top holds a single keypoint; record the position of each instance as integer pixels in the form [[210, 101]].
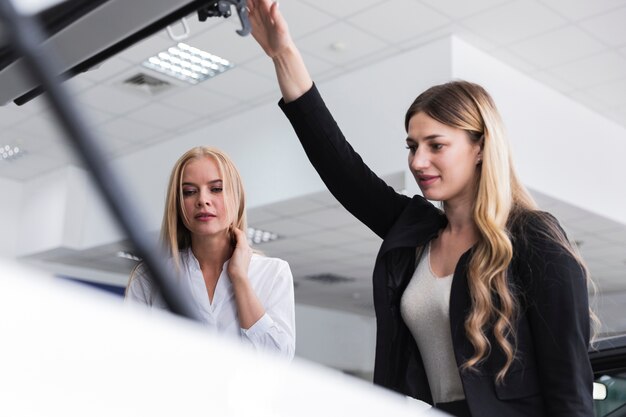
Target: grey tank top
[[425, 308]]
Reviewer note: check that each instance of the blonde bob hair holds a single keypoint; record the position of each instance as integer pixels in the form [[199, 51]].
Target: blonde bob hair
[[174, 234], [501, 201]]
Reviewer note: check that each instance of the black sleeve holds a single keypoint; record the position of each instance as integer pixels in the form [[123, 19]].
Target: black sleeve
[[343, 171], [558, 311]]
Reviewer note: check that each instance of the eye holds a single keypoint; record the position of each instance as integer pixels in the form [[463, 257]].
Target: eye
[[188, 192], [436, 146], [216, 189], [411, 148]]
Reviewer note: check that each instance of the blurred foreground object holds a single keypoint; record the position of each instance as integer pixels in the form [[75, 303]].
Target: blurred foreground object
[[71, 351]]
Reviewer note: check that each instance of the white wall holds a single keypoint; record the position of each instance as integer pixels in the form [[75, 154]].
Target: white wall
[[561, 147], [336, 339], [10, 205]]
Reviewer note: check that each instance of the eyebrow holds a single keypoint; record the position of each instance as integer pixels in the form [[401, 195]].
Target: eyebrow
[[210, 182], [429, 137]]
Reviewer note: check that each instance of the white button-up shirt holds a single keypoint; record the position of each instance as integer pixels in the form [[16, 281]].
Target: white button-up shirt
[[270, 279]]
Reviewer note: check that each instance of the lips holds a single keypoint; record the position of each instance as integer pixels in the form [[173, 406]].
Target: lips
[[204, 216], [427, 179]]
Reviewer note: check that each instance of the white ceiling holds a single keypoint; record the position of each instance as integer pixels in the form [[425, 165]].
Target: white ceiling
[[577, 47]]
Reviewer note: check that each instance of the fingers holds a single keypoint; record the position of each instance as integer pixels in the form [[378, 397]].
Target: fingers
[[240, 237]]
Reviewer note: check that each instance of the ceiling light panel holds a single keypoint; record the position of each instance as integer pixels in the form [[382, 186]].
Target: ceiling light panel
[[188, 64], [9, 153]]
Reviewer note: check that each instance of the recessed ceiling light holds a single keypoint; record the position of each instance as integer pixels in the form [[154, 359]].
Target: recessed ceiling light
[[127, 255], [339, 46], [188, 63], [9, 153], [260, 236]]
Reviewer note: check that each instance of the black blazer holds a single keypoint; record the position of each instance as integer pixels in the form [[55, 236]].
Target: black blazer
[[551, 375]]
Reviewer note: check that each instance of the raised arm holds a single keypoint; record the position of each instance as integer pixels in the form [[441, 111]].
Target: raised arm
[[343, 171], [271, 32]]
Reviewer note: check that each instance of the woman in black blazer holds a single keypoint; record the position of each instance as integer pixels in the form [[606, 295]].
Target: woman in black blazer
[[482, 307]]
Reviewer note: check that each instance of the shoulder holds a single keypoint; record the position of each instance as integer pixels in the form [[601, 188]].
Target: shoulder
[[140, 286], [140, 275], [267, 263], [542, 248], [269, 270], [533, 230]]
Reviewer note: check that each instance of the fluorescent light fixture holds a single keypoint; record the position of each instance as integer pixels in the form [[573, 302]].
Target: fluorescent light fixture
[[260, 236], [127, 255], [9, 153], [188, 64]]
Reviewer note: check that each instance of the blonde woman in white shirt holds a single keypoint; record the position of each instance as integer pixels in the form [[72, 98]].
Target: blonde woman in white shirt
[[235, 291]]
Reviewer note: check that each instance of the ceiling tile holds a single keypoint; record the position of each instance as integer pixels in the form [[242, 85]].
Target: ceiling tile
[[366, 247], [199, 100], [598, 225], [36, 105], [327, 256], [618, 236], [29, 166], [609, 251], [514, 21], [94, 116], [162, 116], [111, 99], [288, 227], [557, 47], [356, 44], [593, 70], [550, 81], [129, 130], [341, 8], [40, 125], [264, 66], [404, 19], [511, 59], [568, 213], [330, 238], [77, 84], [591, 102], [113, 146], [619, 115], [11, 114], [609, 27], [302, 18], [459, 9], [329, 218], [242, 84], [580, 9], [259, 215], [613, 93], [295, 207], [107, 69]]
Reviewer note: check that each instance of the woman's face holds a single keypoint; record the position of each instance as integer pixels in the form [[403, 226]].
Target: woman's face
[[203, 198], [443, 159]]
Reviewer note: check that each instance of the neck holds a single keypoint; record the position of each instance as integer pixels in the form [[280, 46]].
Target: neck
[[460, 216], [211, 251]]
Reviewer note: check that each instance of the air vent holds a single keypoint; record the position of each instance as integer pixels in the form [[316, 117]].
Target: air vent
[[329, 278], [147, 83]]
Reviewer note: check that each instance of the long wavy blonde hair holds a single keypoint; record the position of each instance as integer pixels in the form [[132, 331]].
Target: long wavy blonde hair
[[174, 234], [500, 199]]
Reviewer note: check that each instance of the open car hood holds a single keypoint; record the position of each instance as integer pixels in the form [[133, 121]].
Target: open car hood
[[84, 33]]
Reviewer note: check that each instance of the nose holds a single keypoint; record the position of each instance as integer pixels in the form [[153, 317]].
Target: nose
[[204, 199], [419, 161]]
